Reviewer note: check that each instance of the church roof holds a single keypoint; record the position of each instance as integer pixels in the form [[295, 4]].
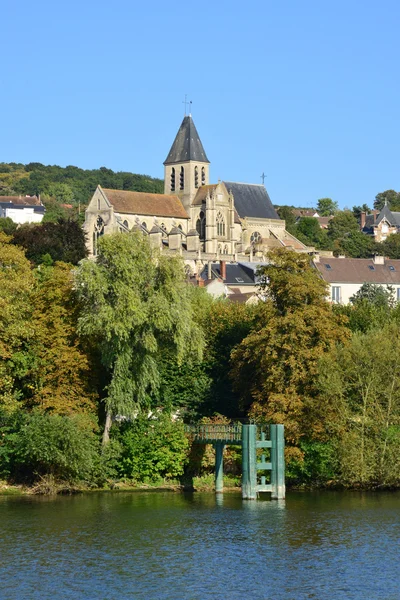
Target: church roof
[[251, 200], [143, 203], [187, 145]]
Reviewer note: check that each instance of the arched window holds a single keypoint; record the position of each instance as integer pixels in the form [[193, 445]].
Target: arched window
[[98, 203], [226, 249], [220, 225], [196, 177], [172, 179], [180, 227], [98, 231], [144, 225], [255, 238], [164, 231], [182, 179], [201, 226], [203, 176], [126, 224]]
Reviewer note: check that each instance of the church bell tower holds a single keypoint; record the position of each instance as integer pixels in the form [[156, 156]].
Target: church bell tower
[[186, 167]]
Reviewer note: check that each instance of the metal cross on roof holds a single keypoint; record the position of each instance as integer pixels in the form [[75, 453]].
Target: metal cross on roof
[[185, 102], [263, 176]]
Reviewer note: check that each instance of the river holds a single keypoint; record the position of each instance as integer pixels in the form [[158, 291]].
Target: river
[[159, 546]]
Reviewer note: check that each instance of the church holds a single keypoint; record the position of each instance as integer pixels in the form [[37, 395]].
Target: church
[[203, 222]]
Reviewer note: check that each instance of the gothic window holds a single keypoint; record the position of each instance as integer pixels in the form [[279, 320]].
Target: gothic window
[[196, 177], [180, 227], [98, 231], [255, 238], [126, 224], [225, 249], [203, 176], [98, 203], [220, 225], [172, 179], [182, 179], [164, 231], [144, 225], [201, 226]]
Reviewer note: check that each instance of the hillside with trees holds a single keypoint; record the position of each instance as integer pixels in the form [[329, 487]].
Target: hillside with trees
[[68, 185]]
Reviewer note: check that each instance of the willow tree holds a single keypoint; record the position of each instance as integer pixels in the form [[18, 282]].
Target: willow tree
[[135, 304]]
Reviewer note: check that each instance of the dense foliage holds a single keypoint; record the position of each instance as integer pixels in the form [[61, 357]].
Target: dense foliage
[[125, 347], [69, 185]]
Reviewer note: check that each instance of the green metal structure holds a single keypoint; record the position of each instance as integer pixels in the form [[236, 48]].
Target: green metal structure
[[270, 441]]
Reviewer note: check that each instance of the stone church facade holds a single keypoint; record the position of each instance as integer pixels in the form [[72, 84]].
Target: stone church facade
[[201, 221]]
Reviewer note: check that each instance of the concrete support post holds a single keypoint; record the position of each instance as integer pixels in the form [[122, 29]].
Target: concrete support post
[[277, 461], [219, 467], [249, 462]]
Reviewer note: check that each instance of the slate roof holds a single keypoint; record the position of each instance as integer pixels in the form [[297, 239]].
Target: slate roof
[[251, 200], [242, 273], [392, 217], [143, 203], [187, 145], [358, 270]]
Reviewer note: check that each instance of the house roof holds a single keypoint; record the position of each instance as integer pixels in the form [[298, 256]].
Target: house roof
[[143, 203], [359, 270], [251, 200], [305, 212], [239, 274], [187, 145], [392, 217], [202, 192], [21, 200]]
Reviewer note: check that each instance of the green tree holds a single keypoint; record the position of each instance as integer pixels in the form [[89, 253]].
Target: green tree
[[378, 295], [135, 305], [391, 246], [7, 225], [326, 207], [16, 328], [357, 210], [343, 223], [364, 379], [391, 197], [275, 367], [356, 244], [64, 241]]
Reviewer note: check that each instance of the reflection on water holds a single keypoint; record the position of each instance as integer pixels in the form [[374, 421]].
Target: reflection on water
[[200, 546]]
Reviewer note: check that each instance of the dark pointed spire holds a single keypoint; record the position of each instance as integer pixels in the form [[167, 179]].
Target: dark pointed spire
[[187, 145]]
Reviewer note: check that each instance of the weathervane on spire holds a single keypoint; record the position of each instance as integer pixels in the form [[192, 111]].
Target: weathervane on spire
[[185, 102], [263, 176]]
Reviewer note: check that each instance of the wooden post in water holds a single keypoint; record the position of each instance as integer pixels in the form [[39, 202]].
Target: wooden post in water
[[219, 467], [249, 462], [278, 461]]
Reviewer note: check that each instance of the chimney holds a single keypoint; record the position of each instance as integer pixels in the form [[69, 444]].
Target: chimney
[[363, 218], [379, 260], [375, 213], [222, 269]]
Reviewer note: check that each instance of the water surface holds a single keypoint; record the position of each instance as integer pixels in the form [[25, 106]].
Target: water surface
[[162, 546]]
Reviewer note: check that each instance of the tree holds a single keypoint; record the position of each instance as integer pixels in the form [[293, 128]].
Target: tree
[[391, 246], [391, 197], [375, 294], [7, 225], [356, 244], [364, 378], [342, 224], [327, 207], [357, 210], [275, 367], [62, 377], [16, 330], [135, 305], [286, 213], [64, 241]]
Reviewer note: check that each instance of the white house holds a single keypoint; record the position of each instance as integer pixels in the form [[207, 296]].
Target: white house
[[345, 276], [22, 209]]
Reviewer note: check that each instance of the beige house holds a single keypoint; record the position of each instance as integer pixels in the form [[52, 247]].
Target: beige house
[[380, 224], [345, 276], [201, 221]]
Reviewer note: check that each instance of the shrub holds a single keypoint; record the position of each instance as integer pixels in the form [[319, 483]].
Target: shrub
[[151, 448]]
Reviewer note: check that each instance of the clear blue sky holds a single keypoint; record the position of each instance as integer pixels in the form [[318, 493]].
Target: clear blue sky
[[306, 91]]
